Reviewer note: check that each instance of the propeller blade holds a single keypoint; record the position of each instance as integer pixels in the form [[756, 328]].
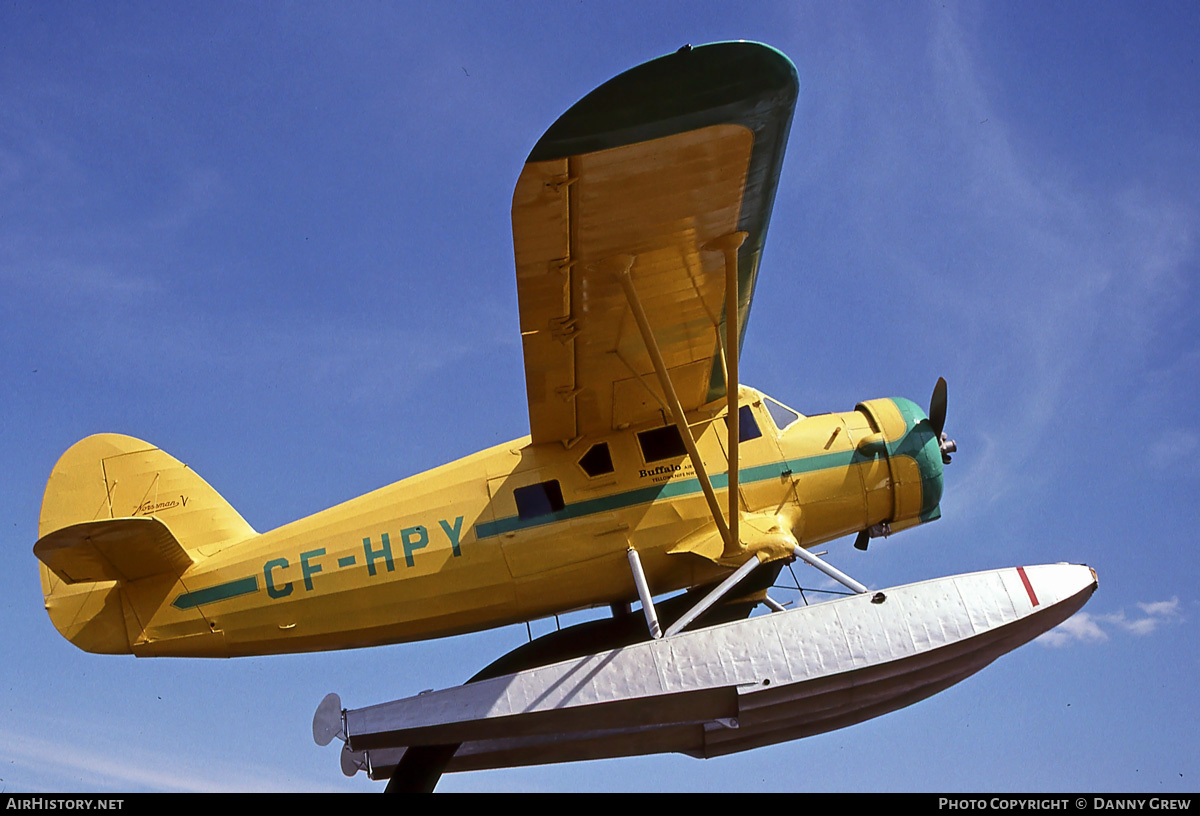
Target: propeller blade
[[937, 407]]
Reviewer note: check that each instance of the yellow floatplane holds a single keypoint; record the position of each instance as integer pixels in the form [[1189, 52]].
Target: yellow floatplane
[[639, 222]]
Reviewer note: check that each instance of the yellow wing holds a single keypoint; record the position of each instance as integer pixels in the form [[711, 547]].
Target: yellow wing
[[649, 168]]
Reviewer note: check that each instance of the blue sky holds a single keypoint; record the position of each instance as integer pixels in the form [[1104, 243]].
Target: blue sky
[[274, 240]]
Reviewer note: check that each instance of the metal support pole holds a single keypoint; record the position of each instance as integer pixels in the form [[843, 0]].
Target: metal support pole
[[643, 589]]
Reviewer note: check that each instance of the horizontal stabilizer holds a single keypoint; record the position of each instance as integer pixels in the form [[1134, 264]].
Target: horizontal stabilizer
[[122, 549]]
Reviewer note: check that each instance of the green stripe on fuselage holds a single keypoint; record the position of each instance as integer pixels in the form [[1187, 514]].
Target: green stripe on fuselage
[[671, 489], [220, 592], [915, 443]]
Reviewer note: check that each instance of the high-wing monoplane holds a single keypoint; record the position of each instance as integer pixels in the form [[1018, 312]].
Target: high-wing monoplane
[[639, 222]]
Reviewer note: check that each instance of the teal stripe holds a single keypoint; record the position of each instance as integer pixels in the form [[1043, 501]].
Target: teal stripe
[[922, 445], [220, 592], [917, 442], [672, 489]]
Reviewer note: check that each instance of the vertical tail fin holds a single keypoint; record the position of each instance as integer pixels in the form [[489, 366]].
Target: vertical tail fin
[[118, 510]]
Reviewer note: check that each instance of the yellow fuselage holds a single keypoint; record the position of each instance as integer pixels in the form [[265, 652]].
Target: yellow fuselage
[[522, 531]]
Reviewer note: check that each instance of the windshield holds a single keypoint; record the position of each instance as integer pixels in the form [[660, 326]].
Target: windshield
[[780, 413]]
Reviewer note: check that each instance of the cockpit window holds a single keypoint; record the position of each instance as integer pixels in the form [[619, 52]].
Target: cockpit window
[[661, 443], [597, 461], [747, 426], [541, 499], [781, 415]]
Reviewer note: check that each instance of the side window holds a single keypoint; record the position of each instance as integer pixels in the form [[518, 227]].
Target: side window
[[661, 443], [781, 415], [747, 426], [541, 499], [597, 461]]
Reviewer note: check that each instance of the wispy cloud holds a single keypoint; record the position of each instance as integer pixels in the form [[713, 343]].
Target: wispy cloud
[[1071, 273], [1089, 628], [1161, 608], [52, 765]]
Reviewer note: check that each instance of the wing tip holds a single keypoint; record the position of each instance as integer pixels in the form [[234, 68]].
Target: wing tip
[[739, 81]]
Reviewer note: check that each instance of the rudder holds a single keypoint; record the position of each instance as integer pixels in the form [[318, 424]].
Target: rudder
[[117, 509]]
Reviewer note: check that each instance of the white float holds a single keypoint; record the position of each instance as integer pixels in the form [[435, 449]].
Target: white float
[[727, 688]]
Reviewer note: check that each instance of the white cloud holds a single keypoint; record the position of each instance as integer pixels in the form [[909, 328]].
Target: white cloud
[[1089, 628], [1168, 609], [1080, 626]]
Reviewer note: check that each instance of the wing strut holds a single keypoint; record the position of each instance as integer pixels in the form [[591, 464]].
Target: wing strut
[[729, 245], [625, 263]]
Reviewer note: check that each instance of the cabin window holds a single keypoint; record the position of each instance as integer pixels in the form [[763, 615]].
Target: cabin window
[[661, 443], [781, 415], [747, 426], [541, 499], [597, 461]]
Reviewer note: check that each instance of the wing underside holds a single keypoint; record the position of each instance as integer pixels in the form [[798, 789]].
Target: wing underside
[[646, 173]]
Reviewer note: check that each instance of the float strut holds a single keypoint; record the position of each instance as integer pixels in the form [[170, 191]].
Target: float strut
[[833, 572], [714, 596]]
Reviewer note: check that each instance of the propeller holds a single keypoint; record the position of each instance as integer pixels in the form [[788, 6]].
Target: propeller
[[937, 419]]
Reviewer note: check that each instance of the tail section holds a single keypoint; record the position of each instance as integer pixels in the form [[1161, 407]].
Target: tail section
[[121, 521]]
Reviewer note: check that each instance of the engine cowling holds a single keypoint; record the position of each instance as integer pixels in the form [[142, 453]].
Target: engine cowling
[[903, 435]]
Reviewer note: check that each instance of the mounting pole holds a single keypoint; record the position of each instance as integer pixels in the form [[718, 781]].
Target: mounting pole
[[643, 589]]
